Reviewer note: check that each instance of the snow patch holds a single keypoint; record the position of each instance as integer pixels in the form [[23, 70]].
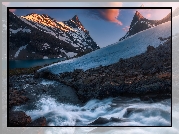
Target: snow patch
[[17, 53], [69, 54], [20, 29], [45, 57]]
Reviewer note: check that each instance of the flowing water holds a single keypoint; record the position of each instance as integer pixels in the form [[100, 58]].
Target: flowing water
[[131, 112]]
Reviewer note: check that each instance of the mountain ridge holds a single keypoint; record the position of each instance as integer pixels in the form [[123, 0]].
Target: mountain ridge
[[44, 36], [140, 23]]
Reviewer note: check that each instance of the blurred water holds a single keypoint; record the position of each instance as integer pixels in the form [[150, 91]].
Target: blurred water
[[133, 112]]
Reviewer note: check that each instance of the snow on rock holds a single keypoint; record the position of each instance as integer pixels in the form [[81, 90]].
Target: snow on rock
[[46, 46], [20, 29], [133, 45], [17, 53], [27, 22], [69, 54], [45, 57]]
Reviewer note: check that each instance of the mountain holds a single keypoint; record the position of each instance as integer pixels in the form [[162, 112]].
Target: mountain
[[139, 23], [112, 53], [37, 36]]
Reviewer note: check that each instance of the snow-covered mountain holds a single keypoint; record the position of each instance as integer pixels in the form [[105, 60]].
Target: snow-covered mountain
[[37, 36], [139, 23], [133, 45]]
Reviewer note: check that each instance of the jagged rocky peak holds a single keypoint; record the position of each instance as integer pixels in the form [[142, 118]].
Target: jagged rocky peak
[[35, 16], [138, 14], [137, 17], [45, 37], [75, 18]]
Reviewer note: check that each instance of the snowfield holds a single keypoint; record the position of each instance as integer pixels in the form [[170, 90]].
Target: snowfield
[[131, 46]]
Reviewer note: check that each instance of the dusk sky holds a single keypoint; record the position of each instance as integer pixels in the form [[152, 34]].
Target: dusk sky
[[106, 26]]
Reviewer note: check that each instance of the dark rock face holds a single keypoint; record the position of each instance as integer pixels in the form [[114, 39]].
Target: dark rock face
[[18, 119], [150, 48], [44, 74], [37, 36], [38, 122], [139, 23]]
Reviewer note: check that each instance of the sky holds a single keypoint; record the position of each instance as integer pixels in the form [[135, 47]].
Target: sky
[[106, 26]]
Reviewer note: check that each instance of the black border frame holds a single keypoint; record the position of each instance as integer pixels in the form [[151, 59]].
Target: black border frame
[[119, 37]]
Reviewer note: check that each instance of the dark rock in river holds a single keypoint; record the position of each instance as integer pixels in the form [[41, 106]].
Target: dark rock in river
[[130, 111], [100, 121]]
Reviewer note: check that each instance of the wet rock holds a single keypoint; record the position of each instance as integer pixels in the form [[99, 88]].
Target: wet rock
[[38, 122], [18, 119], [129, 111], [113, 119], [100, 121]]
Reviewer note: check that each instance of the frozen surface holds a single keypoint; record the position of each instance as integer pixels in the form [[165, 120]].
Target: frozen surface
[[133, 45]]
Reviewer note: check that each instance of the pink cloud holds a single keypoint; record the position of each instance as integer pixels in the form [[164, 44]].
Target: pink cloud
[[112, 15], [12, 10], [109, 15]]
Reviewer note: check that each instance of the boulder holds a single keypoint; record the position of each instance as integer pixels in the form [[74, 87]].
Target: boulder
[[18, 119], [99, 121], [38, 122], [150, 48]]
